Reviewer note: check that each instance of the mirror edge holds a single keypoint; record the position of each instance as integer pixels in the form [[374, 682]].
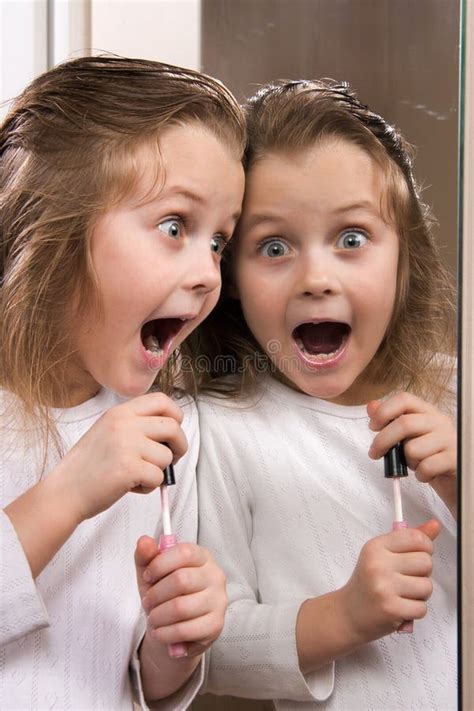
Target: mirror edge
[[466, 415]]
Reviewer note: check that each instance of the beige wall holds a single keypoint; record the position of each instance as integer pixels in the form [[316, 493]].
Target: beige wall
[[164, 30]]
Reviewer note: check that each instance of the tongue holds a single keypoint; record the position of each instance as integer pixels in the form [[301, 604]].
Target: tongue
[[323, 337]]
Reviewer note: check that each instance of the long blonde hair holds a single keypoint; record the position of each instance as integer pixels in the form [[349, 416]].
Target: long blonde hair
[[416, 352], [66, 152]]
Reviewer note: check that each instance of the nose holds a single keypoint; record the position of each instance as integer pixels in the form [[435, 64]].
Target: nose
[[204, 274], [318, 276]]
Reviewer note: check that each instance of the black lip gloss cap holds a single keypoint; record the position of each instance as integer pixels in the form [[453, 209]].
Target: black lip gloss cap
[[168, 475], [394, 462]]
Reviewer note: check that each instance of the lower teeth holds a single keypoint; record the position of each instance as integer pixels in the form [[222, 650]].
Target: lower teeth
[[152, 345], [315, 356]]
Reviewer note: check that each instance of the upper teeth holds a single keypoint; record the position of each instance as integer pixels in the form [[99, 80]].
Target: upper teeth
[[152, 344]]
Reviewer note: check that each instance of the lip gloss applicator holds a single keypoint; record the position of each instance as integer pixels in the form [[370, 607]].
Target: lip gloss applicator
[[395, 467], [168, 540]]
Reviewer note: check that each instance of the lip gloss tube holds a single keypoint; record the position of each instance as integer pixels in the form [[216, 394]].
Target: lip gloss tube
[[395, 467], [168, 540]]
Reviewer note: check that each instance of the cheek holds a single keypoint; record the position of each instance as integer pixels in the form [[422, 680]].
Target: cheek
[[379, 297], [212, 299], [243, 283], [255, 287], [388, 284], [107, 279], [208, 305], [257, 304], [378, 279], [378, 309]]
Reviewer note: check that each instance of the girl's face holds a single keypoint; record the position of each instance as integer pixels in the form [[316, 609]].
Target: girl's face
[[316, 267], [158, 264]]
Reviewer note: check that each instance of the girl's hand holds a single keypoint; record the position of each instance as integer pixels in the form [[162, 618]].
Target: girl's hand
[[390, 582], [122, 452], [183, 593], [429, 440]]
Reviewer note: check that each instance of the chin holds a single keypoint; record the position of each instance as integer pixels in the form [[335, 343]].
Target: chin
[[319, 389], [131, 388]]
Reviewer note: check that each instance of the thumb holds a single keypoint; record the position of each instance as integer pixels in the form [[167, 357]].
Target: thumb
[[147, 548], [372, 407], [145, 551], [431, 528]]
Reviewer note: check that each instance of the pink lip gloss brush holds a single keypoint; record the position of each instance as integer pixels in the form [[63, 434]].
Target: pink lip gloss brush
[[395, 467], [168, 540]]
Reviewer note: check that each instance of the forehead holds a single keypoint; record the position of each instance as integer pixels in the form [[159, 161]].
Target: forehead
[[323, 176], [186, 157]]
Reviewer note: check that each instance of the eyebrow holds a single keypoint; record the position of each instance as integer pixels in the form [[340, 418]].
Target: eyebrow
[[263, 218], [257, 220], [151, 199], [180, 192], [362, 205], [188, 195], [193, 197]]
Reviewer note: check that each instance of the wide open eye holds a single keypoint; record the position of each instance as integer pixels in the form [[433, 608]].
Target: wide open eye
[[274, 248], [171, 227], [218, 244], [352, 239]]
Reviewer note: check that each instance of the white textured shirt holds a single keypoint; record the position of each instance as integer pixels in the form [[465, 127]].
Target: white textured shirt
[[68, 639], [287, 498]]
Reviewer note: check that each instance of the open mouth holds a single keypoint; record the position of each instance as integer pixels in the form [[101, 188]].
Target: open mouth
[[158, 334], [323, 341]]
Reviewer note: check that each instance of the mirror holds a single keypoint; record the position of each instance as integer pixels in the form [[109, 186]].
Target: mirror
[[466, 391], [402, 58]]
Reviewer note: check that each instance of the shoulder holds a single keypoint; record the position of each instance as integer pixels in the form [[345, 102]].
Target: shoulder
[[450, 367], [445, 375], [12, 423], [190, 413], [9, 403], [229, 405]]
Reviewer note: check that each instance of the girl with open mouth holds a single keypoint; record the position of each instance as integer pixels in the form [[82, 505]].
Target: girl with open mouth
[[121, 184], [338, 315]]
